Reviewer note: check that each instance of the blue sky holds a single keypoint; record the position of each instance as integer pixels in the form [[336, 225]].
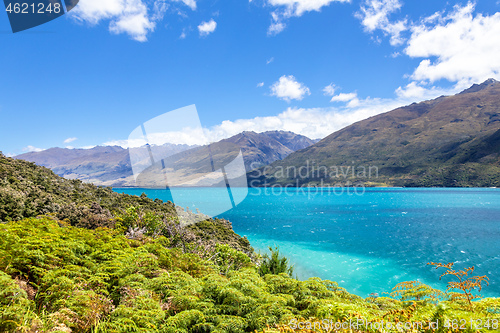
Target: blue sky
[[311, 66]]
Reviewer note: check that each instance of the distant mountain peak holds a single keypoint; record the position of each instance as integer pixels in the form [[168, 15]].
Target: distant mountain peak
[[478, 87], [279, 131]]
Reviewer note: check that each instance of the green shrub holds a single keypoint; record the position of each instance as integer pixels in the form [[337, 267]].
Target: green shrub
[[275, 263], [15, 307]]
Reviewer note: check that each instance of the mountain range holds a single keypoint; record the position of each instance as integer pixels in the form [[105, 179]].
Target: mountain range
[[446, 142], [111, 165]]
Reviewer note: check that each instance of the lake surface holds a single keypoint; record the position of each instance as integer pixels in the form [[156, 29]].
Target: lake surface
[[366, 240]]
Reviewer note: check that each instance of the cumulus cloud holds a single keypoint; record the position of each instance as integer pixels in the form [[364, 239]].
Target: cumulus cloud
[[190, 3], [374, 15], [299, 7], [456, 45], [136, 25], [289, 8], [137, 18], [260, 85], [421, 91], [275, 28], [206, 28], [344, 97], [287, 88], [30, 149], [459, 47], [329, 90], [351, 99], [69, 140]]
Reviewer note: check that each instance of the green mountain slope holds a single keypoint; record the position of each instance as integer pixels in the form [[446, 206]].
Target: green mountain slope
[[448, 141], [28, 190]]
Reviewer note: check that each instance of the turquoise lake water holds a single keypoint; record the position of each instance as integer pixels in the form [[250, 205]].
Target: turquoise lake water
[[369, 240]]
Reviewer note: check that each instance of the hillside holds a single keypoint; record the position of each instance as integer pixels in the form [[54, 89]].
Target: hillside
[[448, 141], [111, 166], [99, 165], [28, 190]]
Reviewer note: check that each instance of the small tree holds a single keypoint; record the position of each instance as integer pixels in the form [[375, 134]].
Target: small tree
[[415, 290], [275, 263], [465, 284], [226, 258]]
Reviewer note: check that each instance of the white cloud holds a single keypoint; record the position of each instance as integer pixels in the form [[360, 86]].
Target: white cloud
[[329, 90], [190, 3], [275, 28], [351, 99], [183, 35], [30, 149], [344, 97], [374, 15], [69, 140], [187, 135], [314, 123], [287, 88], [260, 85], [289, 8], [411, 90], [137, 18], [299, 7], [270, 60], [135, 24], [459, 47], [206, 28], [419, 91], [456, 45]]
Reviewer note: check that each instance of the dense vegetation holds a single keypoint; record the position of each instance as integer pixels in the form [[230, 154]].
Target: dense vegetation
[[58, 278], [27, 190], [77, 258]]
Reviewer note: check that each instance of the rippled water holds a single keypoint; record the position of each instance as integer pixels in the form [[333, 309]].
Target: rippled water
[[368, 241]]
